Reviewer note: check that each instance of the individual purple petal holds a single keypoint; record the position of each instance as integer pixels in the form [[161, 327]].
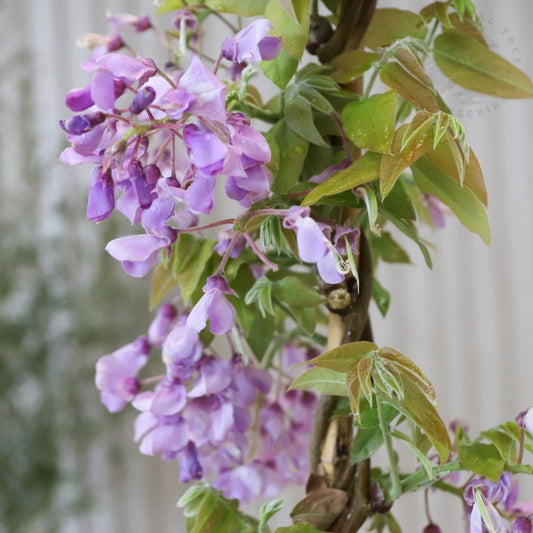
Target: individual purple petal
[[190, 467], [215, 376], [103, 90], [206, 151], [221, 423], [191, 22], [197, 319], [225, 238], [128, 204], [79, 99], [244, 483], [528, 420], [437, 210], [327, 269], [165, 437], [162, 324], [522, 525], [144, 423], [125, 21], [137, 253], [199, 197], [101, 201], [352, 234], [242, 418], [310, 240], [79, 124], [221, 314], [176, 102], [125, 67], [269, 48], [252, 145], [182, 345], [70, 156], [209, 91], [159, 212], [325, 174], [169, 398]]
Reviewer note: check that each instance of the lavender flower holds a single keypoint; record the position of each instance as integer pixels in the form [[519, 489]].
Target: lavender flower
[[116, 374], [213, 306], [252, 44]]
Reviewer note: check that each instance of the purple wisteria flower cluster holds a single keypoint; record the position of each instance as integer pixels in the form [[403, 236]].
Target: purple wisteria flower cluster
[[220, 419]]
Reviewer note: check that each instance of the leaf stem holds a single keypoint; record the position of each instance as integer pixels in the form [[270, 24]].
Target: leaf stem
[[394, 473]]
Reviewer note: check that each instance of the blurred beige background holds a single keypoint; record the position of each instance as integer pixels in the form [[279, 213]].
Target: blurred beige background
[[468, 322]]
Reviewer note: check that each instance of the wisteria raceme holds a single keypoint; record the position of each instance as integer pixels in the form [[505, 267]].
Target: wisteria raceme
[[202, 411]]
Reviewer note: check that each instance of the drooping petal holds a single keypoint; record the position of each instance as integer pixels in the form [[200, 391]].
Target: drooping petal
[[197, 318], [310, 240], [327, 269], [199, 197], [221, 314]]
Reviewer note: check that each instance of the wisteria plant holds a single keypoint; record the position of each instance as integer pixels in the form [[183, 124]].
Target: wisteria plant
[[321, 178]]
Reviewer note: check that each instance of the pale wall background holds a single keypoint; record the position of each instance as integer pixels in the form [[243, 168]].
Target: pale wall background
[[468, 322]]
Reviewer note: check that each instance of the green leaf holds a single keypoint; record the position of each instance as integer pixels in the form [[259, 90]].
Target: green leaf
[[361, 171], [292, 153], [268, 510], [483, 511], [399, 203], [293, 33], [261, 292], [313, 97], [299, 117], [304, 317], [505, 443], [341, 358], [470, 64], [411, 232], [351, 65], [390, 24], [207, 511], [260, 334], [323, 380], [461, 200], [281, 69], [388, 249], [369, 122], [162, 281], [293, 291], [170, 5], [482, 459], [191, 258], [246, 314], [422, 457], [365, 443], [381, 296], [244, 8]]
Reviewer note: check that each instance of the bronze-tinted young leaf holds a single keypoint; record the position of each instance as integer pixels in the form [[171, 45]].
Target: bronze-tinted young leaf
[[364, 369], [482, 459], [361, 171], [470, 64], [369, 122], [439, 11], [299, 117], [320, 507], [341, 358], [416, 407], [351, 65], [466, 26], [353, 386], [390, 24], [244, 8], [406, 76], [292, 152], [410, 142], [322, 380], [443, 157], [461, 200]]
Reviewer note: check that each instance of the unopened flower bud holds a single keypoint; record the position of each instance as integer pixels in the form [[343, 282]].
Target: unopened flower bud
[[79, 124], [115, 43], [142, 99], [432, 528], [79, 99]]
